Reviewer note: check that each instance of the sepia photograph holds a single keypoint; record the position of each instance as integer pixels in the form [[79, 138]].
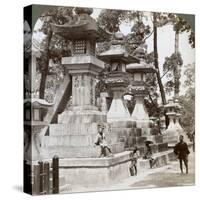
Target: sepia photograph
[[109, 99]]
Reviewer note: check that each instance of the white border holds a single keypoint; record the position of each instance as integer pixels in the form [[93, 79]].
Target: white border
[[11, 134]]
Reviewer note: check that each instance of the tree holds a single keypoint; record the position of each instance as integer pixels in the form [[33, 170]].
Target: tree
[[187, 101], [159, 20], [110, 20], [172, 65], [52, 46]]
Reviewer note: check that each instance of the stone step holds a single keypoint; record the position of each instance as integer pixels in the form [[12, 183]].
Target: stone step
[[155, 138], [78, 151], [70, 129], [156, 148], [109, 170], [65, 188], [76, 140], [135, 141], [161, 159], [123, 124]]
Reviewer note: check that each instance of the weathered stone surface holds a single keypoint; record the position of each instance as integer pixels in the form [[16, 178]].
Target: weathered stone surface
[[97, 171], [77, 151], [84, 116]]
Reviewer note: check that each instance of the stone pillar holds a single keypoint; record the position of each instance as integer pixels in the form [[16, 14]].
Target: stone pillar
[[172, 117], [84, 69], [177, 124], [140, 112], [103, 102], [171, 135], [118, 110], [162, 124], [83, 91]]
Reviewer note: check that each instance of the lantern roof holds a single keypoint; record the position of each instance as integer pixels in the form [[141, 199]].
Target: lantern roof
[[170, 104], [81, 26], [140, 67], [117, 51], [37, 103]]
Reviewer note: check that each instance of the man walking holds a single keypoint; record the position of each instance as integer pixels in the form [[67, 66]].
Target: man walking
[[182, 151]]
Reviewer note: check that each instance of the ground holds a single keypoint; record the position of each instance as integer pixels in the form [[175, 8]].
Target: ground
[[167, 176]]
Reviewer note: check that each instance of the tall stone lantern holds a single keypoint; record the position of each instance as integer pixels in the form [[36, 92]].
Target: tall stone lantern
[[139, 87], [171, 134], [177, 121], [178, 115], [83, 66], [118, 79]]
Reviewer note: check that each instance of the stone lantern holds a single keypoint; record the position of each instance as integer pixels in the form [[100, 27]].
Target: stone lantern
[[171, 135], [139, 87], [34, 113], [118, 79], [179, 129], [83, 66], [178, 115], [162, 118]]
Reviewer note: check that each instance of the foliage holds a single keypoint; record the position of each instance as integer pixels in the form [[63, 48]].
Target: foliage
[[52, 47], [190, 74], [180, 25], [139, 31], [187, 101], [171, 67], [110, 20]]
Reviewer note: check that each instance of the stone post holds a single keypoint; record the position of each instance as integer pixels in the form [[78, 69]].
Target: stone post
[[103, 102], [140, 113], [55, 175], [171, 135], [118, 110]]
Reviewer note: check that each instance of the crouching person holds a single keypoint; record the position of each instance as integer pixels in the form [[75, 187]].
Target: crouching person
[[101, 141]]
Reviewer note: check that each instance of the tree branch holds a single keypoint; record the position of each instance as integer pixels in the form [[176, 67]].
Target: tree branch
[[147, 36], [165, 73]]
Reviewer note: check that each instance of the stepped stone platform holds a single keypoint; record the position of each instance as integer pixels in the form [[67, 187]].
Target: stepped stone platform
[[108, 170], [77, 141]]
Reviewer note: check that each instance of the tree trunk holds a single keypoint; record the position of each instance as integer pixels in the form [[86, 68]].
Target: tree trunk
[[176, 69], [176, 48], [162, 92], [45, 67], [43, 83]]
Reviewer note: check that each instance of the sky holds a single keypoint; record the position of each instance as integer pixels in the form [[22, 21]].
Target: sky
[[166, 38]]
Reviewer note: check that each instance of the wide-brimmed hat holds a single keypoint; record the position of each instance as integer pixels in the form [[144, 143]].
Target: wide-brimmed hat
[[101, 125]]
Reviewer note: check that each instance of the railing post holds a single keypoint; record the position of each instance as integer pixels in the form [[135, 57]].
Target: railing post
[[27, 178], [46, 177], [55, 175], [41, 177], [36, 179]]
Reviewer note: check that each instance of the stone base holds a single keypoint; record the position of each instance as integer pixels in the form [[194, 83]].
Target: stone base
[[171, 137], [143, 123], [162, 159], [76, 140], [104, 171], [77, 151], [95, 171], [81, 116], [118, 111]]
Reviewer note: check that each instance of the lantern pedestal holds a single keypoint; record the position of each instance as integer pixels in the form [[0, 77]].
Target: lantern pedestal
[[171, 135], [140, 114], [83, 70], [118, 111]]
